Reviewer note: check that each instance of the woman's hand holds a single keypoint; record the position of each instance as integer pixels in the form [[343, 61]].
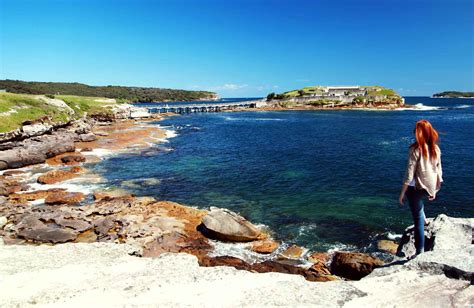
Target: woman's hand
[[401, 199]]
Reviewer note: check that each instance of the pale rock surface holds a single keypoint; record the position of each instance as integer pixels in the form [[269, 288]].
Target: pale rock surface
[[104, 274]]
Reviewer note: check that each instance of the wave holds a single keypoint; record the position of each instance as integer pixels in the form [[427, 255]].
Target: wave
[[420, 106], [251, 119], [463, 106]]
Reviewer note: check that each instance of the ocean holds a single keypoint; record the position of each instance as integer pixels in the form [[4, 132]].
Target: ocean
[[324, 180]]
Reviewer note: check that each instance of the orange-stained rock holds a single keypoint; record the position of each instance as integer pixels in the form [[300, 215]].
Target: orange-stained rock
[[73, 159], [265, 246], [64, 197], [33, 195], [354, 265], [316, 257], [292, 252], [388, 246], [56, 176]]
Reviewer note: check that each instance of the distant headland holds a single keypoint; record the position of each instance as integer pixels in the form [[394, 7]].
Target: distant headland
[[454, 94], [120, 93], [338, 97]]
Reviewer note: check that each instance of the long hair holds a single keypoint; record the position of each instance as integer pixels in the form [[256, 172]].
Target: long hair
[[426, 139]]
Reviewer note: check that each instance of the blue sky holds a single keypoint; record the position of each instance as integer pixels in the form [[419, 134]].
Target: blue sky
[[241, 47]]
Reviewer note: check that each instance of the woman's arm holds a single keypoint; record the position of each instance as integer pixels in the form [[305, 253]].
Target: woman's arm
[[401, 198]]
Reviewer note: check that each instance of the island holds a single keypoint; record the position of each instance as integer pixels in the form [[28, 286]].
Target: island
[[454, 94], [120, 93], [342, 97]]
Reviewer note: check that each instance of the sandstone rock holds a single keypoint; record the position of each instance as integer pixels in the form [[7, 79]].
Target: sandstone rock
[[56, 176], [108, 195], [292, 252], [47, 234], [32, 228], [102, 225], [36, 150], [87, 137], [352, 265], [3, 222], [64, 197], [387, 246], [86, 149], [265, 246], [317, 257], [226, 225], [73, 159], [13, 173], [442, 233], [3, 189], [33, 195]]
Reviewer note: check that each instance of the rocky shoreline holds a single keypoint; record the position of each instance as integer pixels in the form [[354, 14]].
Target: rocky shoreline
[[37, 207]]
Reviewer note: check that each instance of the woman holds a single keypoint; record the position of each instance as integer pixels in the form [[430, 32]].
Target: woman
[[423, 177]]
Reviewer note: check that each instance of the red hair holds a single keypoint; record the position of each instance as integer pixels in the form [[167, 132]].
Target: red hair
[[426, 139]]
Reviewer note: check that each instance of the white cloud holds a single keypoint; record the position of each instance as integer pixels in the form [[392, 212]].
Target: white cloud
[[228, 87]]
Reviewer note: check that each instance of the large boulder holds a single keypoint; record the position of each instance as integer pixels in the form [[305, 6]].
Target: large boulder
[[354, 265], [36, 150], [226, 225], [442, 233]]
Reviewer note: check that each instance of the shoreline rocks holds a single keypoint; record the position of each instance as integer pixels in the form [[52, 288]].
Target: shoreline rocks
[[223, 224]]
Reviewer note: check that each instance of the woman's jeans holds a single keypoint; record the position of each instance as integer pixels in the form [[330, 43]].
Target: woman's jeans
[[415, 200]]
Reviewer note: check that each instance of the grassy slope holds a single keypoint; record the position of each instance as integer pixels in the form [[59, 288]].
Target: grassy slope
[[81, 104], [31, 107]]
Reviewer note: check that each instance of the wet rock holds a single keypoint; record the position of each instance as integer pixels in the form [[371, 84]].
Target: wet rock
[[56, 176], [108, 195], [442, 233], [226, 225], [387, 246], [352, 265], [292, 252], [265, 246], [64, 197], [86, 149], [13, 173], [317, 257], [73, 159]]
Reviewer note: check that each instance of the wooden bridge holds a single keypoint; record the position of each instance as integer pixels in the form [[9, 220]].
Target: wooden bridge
[[205, 107]]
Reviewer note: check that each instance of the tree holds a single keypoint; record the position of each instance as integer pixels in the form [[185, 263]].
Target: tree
[[270, 96]]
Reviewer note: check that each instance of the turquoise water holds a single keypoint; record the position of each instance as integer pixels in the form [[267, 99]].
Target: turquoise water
[[321, 179]]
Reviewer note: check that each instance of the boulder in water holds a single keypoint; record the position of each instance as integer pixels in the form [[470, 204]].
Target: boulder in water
[[226, 225]]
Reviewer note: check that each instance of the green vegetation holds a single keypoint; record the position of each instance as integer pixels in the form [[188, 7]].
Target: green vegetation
[[130, 94], [17, 108], [320, 96], [91, 105], [454, 94]]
